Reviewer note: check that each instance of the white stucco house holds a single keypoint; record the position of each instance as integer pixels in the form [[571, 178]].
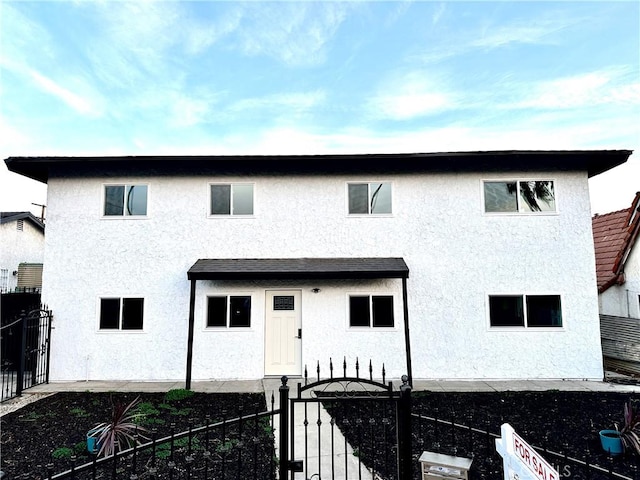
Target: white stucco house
[[442, 265], [21, 251]]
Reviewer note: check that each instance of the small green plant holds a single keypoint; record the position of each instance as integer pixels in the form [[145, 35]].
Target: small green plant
[[226, 446], [164, 449], [78, 412], [178, 394], [80, 448], [118, 433], [62, 452], [31, 416]]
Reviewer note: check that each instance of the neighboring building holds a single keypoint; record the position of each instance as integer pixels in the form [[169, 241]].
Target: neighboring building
[[447, 265], [615, 236], [21, 251]]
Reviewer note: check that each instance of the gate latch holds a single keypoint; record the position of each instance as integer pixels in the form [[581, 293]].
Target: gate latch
[[299, 333], [295, 465]]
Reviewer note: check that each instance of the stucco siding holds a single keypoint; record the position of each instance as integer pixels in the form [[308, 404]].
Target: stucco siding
[[624, 300], [19, 246], [457, 256]]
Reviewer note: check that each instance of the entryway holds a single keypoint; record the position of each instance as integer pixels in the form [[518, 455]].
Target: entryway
[[283, 333]]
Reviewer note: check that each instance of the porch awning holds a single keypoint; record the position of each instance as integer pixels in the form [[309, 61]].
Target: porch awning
[[297, 268]]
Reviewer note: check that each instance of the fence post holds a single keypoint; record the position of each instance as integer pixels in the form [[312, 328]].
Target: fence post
[[23, 348], [283, 466], [403, 421]]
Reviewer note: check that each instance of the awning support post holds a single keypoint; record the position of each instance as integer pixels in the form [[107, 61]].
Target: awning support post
[[192, 306], [407, 339]]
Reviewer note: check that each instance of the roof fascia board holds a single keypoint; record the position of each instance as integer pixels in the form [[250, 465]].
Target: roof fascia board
[[591, 161]]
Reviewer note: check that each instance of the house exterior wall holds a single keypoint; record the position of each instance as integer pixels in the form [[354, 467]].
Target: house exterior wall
[[456, 254], [624, 300], [19, 246]]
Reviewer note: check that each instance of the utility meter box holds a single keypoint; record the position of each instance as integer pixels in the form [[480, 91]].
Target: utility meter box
[[435, 466]]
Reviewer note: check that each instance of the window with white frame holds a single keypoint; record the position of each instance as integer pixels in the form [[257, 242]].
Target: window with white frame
[[528, 311], [125, 200], [519, 196], [121, 313], [233, 311], [231, 199], [371, 311], [372, 198]]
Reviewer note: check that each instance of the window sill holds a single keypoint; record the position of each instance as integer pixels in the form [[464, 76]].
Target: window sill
[[527, 329], [120, 331], [372, 329], [521, 214], [227, 329]]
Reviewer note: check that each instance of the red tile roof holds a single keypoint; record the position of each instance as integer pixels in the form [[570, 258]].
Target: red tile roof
[[614, 235]]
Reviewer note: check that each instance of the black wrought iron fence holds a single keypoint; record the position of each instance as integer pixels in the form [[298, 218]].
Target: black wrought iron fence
[[478, 443], [24, 346], [237, 448]]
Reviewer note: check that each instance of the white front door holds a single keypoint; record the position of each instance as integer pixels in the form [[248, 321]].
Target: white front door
[[283, 333]]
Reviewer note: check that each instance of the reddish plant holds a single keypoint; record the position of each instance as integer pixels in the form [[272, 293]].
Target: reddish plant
[[121, 431]]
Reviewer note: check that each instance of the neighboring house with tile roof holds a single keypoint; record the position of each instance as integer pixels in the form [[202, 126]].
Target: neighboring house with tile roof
[[616, 242], [463, 265], [21, 251]]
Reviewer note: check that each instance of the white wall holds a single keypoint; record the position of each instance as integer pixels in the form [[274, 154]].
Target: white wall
[[16, 247], [624, 300], [456, 254]]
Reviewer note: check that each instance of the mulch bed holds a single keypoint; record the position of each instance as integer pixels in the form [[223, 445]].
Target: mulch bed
[[567, 422], [560, 421], [51, 430]]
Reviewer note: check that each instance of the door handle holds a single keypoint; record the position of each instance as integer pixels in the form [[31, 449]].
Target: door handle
[[299, 333]]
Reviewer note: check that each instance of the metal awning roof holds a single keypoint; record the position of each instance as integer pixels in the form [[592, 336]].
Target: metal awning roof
[[297, 268]]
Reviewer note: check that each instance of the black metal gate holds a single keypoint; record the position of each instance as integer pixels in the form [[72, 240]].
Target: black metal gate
[[351, 427], [24, 344]]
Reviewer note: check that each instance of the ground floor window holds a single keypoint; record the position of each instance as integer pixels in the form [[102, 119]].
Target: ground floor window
[[121, 313], [233, 311], [525, 311], [371, 311]]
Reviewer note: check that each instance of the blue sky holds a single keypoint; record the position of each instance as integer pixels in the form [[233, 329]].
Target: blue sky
[[208, 77]]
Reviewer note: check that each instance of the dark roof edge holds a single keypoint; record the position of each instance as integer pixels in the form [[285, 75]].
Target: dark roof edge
[[298, 268], [592, 161], [22, 216]]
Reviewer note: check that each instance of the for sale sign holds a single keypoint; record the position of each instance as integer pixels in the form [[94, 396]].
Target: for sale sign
[[520, 460]]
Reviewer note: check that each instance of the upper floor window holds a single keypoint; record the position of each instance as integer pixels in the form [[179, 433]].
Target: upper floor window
[[229, 311], [373, 198], [523, 196], [20, 225], [371, 311], [121, 313], [231, 199], [525, 311], [125, 200]]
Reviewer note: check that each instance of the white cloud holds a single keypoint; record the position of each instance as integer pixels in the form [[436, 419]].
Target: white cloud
[[82, 104], [409, 96], [283, 102], [295, 33], [484, 35], [607, 86]]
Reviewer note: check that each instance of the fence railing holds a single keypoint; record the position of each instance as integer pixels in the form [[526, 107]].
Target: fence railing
[[236, 448], [24, 346], [453, 438]]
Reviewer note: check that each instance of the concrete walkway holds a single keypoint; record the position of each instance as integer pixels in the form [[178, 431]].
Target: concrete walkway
[[318, 459]]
